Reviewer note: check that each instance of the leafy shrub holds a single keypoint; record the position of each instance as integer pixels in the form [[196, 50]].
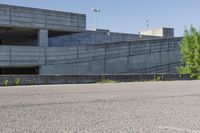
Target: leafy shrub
[[17, 81], [5, 83], [190, 50]]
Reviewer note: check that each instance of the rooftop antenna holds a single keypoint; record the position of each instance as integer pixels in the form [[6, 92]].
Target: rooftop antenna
[[147, 22], [96, 11]]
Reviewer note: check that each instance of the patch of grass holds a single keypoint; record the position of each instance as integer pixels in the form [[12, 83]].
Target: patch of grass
[[108, 81], [158, 78], [17, 81], [5, 83]]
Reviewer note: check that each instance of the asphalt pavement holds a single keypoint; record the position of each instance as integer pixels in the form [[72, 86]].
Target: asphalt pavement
[[146, 107]]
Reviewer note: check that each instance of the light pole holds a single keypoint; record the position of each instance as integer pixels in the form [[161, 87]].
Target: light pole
[[147, 22], [96, 11]]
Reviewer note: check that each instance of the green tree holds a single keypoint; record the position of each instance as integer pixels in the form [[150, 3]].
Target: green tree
[[190, 50]]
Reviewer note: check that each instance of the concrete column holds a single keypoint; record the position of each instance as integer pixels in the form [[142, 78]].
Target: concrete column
[[43, 38]]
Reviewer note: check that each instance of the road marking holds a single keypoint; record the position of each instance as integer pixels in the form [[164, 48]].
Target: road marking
[[179, 129]]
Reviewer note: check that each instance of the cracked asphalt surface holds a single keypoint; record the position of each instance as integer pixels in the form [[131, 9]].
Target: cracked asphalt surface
[[148, 107]]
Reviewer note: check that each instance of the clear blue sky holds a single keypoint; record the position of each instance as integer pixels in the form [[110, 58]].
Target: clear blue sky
[[127, 15]]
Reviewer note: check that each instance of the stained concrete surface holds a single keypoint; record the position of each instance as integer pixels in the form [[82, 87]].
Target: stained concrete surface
[[148, 107]]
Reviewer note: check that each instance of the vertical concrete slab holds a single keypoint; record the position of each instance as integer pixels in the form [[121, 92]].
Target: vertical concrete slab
[[116, 65], [43, 38], [137, 64]]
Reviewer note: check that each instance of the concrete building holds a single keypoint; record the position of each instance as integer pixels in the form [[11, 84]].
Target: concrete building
[[161, 32], [98, 36], [37, 41]]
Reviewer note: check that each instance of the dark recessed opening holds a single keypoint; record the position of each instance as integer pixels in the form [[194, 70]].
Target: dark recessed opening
[[1, 42], [19, 70]]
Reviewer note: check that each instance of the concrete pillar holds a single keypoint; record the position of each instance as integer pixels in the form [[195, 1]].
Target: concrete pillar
[[43, 38]]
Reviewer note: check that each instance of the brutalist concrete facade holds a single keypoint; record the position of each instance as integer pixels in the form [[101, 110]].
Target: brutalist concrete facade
[[25, 25], [58, 43], [99, 36], [143, 56], [162, 32]]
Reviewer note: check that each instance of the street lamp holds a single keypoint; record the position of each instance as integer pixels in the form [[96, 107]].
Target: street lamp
[[96, 11], [147, 22]]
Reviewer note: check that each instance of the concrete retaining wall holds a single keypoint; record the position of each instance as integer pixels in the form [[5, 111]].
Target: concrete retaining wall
[[148, 56], [79, 79]]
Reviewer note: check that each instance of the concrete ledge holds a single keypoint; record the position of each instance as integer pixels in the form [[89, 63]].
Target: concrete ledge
[[33, 18], [82, 79]]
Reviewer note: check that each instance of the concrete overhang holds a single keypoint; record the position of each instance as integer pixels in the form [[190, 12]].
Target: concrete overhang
[[26, 21], [16, 32]]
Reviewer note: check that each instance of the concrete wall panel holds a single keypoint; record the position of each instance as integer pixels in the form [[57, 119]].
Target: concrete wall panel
[[116, 65], [41, 19], [114, 58]]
